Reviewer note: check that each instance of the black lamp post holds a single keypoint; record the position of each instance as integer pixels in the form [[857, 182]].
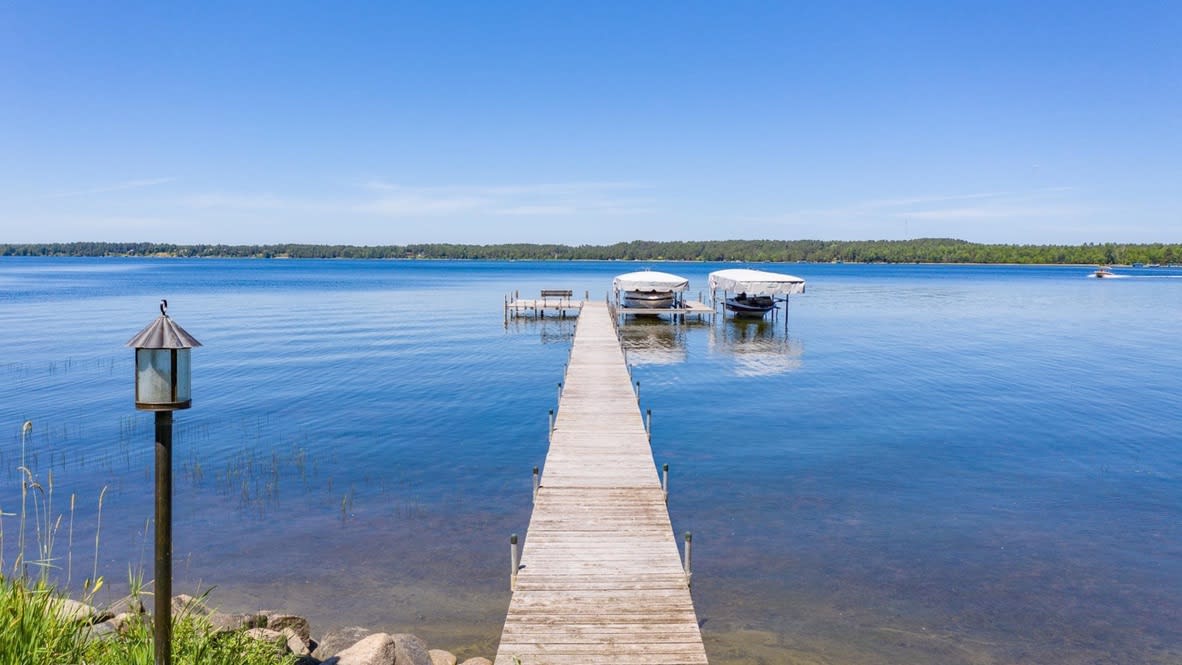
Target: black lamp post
[[162, 385]]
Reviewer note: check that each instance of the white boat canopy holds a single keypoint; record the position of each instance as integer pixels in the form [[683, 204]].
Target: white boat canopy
[[755, 282], [650, 280]]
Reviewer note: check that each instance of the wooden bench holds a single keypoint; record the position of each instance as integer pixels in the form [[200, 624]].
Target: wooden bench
[[561, 294]]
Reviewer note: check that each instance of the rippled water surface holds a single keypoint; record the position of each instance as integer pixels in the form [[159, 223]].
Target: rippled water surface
[[928, 464]]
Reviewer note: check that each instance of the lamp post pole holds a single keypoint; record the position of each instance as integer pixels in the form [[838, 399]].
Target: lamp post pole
[[162, 384], [163, 597]]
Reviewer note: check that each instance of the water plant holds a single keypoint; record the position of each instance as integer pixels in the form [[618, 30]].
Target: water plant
[[38, 625]]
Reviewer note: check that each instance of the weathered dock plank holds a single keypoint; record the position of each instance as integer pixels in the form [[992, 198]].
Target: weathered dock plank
[[601, 578]]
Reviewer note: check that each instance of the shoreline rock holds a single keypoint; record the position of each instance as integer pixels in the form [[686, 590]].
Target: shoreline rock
[[289, 633]]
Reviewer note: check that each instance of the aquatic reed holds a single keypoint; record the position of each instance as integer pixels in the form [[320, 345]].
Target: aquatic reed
[[35, 629]]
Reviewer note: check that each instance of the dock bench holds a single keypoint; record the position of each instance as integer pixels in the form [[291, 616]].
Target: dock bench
[[561, 294]]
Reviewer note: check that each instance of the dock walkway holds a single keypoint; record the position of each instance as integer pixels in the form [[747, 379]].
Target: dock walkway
[[601, 579]]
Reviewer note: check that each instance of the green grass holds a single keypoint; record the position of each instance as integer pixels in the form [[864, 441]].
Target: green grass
[[32, 634]]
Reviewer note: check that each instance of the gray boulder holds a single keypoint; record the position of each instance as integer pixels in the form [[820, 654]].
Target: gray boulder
[[441, 657], [71, 610], [125, 621], [225, 623], [126, 605], [186, 605], [272, 637], [296, 643], [410, 650], [100, 632], [377, 649], [279, 621], [339, 640]]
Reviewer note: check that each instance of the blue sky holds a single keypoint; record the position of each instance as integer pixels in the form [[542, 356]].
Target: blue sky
[[585, 122]]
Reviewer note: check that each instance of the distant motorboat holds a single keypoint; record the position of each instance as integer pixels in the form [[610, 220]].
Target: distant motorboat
[[1102, 272], [648, 299]]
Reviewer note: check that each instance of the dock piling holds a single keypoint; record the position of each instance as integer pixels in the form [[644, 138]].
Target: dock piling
[[514, 559], [689, 556], [665, 482], [648, 423], [537, 483], [550, 434]]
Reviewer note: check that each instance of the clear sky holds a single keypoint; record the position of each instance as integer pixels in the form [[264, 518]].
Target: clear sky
[[590, 122]]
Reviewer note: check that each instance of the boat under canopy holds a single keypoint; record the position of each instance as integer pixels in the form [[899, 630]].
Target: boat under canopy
[[756, 282], [649, 289]]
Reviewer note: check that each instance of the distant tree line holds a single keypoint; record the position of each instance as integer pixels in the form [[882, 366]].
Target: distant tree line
[[921, 250]]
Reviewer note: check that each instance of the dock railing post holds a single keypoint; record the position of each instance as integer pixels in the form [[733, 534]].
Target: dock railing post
[[648, 424], [537, 483], [689, 556], [514, 561], [638, 391], [560, 384], [550, 434], [665, 482]]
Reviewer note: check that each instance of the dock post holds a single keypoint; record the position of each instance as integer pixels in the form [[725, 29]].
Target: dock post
[[537, 482], [689, 555], [550, 434], [638, 391], [560, 384], [514, 559], [648, 424], [665, 482]]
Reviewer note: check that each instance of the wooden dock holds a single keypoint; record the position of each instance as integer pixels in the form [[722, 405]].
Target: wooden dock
[[698, 309], [600, 578], [558, 301]]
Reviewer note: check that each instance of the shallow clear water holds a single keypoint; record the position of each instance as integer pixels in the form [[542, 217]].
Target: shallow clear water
[[932, 464]]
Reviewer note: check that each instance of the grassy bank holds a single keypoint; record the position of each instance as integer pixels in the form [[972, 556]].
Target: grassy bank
[[37, 627]]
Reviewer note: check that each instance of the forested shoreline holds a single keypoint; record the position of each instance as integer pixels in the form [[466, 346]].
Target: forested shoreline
[[923, 250]]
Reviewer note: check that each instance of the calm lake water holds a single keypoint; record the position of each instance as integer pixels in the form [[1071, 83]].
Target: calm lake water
[[931, 464]]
